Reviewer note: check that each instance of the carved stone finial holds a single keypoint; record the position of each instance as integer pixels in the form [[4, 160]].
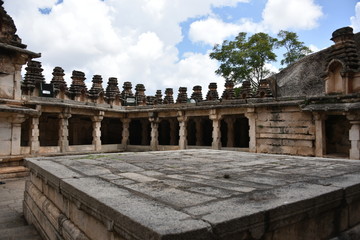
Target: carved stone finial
[[343, 64], [78, 86], [229, 92], [96, 89], [127, 86], [212, 94], [150, 100], [158, 97], [112, 89], [33, 77], [345, 49], [8, 29], [58, 80], [264, 89], [197, 93], [245, 90], [169, 99], [140, 94], [182, 95]]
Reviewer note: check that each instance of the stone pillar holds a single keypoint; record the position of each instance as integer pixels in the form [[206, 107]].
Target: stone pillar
[[145, 132], [17, 82], [183, 130], [354, 136], [64, 131], [34, 135], [216, 134], [96, 134], [173, 128], [125, 132], [320, 138], [16, 121], [251, 115], [154, 142], [230, 131], [199, 131]]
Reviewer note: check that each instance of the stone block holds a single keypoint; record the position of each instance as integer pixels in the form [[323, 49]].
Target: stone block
[[287, 136], [45, 226], [7, 86], [137, 177], [50, 171], [170, 195], [5, 148], [35, 180], [5, 132], [131, 214], [55, 196]]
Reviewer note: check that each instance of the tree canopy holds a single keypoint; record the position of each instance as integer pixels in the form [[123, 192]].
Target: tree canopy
[[294, 48], [245, 58]]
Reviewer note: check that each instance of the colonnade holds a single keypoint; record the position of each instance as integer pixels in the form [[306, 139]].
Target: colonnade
[[134, 131]]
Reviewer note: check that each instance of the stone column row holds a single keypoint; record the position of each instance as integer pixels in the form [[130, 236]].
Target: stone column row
[[154, 122]]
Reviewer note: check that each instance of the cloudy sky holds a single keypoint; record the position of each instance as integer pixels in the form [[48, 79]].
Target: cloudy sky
[[164, 43]]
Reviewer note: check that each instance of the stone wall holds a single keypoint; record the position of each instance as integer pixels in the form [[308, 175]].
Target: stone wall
[[285, 130]]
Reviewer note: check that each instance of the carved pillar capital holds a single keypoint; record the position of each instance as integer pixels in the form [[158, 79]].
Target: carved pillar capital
[[353, 117], [319, 116], [17, 118], [182, 116], [98, 117]]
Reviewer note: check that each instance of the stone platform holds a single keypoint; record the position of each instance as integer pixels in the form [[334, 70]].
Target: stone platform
[[192, 194]]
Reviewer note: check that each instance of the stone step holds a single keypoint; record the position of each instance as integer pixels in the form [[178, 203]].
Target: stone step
[[19, 233], [11, 161], [13, 172]]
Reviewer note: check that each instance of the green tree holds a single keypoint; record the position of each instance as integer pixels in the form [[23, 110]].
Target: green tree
[[245, 58], [294, 48]]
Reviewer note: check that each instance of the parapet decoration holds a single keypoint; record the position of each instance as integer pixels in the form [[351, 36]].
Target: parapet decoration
[[342, 73], [34, 82]]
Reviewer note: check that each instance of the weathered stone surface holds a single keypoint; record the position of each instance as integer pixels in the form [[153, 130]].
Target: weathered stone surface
[[203, 194]]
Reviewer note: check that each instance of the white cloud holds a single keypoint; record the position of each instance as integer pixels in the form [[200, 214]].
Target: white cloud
[[133, 40], [285, 14], [314, 48], [212, 31], [272, 68], [355, 20], [277, 15]]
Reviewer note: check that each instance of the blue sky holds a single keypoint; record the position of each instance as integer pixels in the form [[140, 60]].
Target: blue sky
[[164, 43]]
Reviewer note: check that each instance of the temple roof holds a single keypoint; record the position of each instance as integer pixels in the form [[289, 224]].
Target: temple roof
[[306, 76]]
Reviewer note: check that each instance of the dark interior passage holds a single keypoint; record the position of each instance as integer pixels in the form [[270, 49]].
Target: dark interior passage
[[139, 130], [80, 130], [168, 131], [25, 133], [49, 125], [235, 131], [337, 135], [111, 131]]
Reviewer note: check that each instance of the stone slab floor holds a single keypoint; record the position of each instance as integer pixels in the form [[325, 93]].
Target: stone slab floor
[[12, 223], [199, 191]]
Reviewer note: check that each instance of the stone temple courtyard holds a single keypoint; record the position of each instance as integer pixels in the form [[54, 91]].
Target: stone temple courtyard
[[192, 194]]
